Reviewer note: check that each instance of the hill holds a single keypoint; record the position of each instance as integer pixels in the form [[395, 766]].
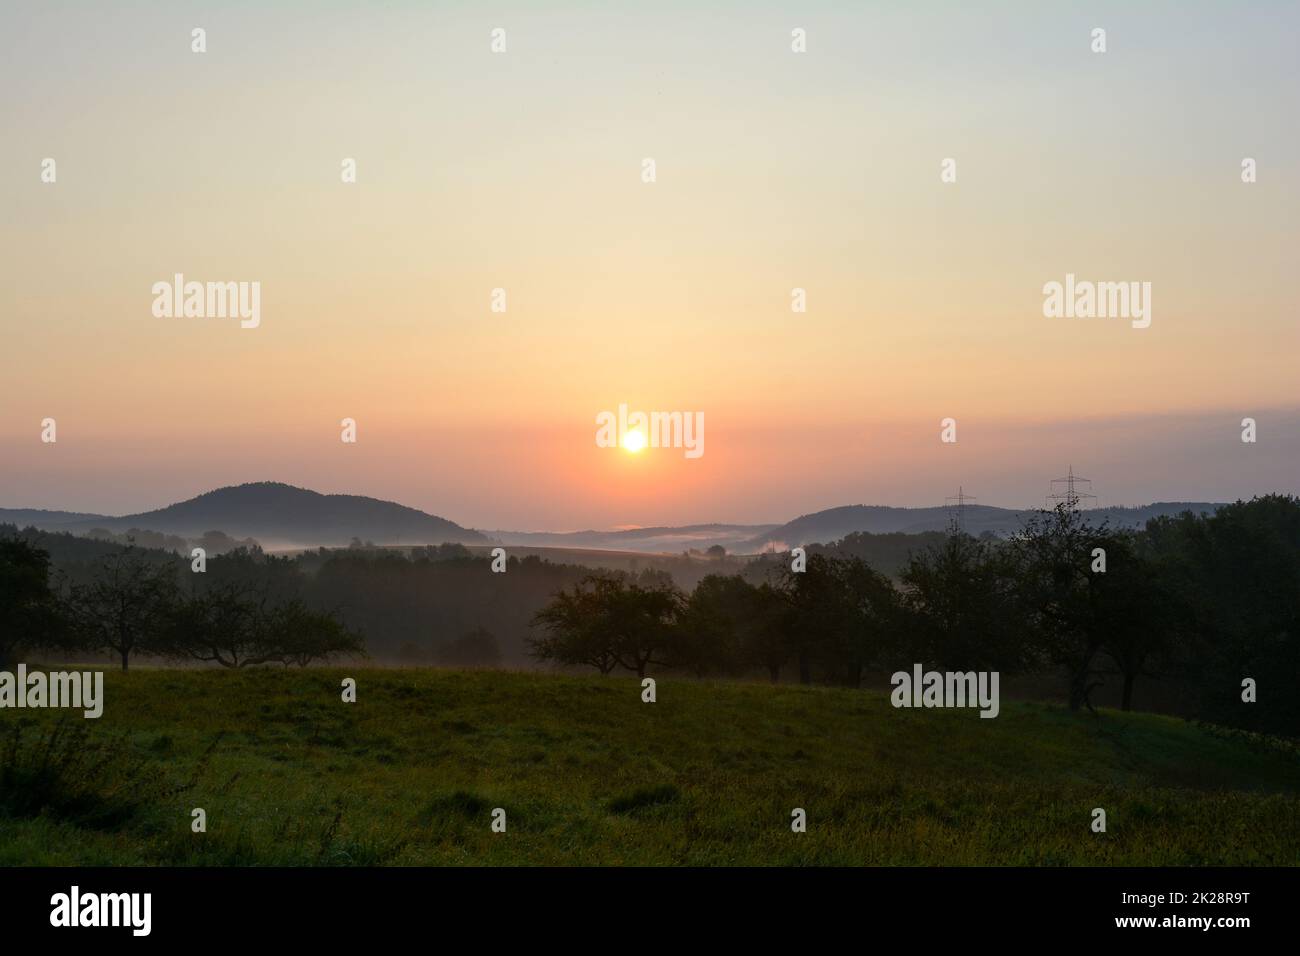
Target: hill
[[834, 523], [587, 773], [50, 520], [277, 515]]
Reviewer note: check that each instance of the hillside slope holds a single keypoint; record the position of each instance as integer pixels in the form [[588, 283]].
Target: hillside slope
[[587, 773], [834, 523], [276, 513]]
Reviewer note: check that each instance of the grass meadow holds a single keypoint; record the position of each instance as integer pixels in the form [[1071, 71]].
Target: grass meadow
[[587, 773]]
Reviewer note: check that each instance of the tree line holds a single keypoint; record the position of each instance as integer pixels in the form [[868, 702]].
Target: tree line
[[245, 609], [1185, 609], [1205, 602]]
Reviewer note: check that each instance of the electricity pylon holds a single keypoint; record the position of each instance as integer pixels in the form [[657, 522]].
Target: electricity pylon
[[1071, 496], [957, 515]]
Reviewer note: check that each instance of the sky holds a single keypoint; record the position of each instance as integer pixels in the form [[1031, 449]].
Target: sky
[[522, 170]]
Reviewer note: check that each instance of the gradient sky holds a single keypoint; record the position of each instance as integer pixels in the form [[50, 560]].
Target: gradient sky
[[522, 171]]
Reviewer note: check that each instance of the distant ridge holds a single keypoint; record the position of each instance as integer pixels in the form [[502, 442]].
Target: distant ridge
[[834, 523], [48, 520], [284, 516], [277, 515]]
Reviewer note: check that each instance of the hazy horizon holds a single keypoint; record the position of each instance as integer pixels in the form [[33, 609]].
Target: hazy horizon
[[1130, 462], [523, 171]]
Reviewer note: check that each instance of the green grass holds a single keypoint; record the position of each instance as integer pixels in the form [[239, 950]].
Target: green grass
[[588, 774]]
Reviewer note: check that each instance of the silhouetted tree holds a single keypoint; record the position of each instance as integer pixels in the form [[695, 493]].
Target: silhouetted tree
[[962, 609], [841, 612], [573, 633], [608, 620], [763, 637], [1140, 618], [235, 624], [1235, 577], [714, 624], [1062, 595], [300, 635], [127, 608], [224, 624], [871, 608], [816, 612]]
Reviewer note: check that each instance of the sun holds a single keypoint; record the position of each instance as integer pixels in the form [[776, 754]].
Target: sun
[[634, 442]]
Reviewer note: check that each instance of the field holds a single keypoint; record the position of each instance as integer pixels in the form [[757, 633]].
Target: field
[[288, 774]]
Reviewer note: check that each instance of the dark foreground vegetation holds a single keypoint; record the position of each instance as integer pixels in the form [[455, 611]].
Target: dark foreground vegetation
[[242, 611]]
